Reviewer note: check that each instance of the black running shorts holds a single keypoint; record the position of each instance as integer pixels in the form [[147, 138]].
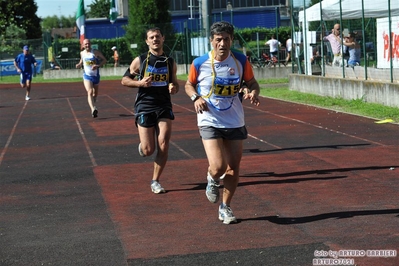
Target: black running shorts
[[151, 119]]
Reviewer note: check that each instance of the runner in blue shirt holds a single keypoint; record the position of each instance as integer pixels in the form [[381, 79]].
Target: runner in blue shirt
[[23, 64]]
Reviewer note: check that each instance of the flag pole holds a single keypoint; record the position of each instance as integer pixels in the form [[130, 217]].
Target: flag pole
[[113, 12], [113, 15], [80, 20]]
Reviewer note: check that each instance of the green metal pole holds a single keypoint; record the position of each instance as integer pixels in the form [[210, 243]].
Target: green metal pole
[[323, 63], [278, 52], [187, 47], [364, 43], [305, 30], [292, 34], [390, 39], [342, 50]]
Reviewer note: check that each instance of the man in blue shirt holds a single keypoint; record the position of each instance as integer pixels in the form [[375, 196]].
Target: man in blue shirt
[[23, 64]]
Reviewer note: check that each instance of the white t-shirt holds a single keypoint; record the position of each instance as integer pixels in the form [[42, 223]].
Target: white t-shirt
[[220, 92], [274, 44], [288, 45]]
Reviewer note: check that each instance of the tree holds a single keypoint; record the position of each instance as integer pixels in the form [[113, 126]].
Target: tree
[[313, 2], [99, 9], [146, 14], [10, 41], [52, 22], [21, 13]]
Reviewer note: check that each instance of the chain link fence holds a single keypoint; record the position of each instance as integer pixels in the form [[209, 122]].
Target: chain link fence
[[187, 43]]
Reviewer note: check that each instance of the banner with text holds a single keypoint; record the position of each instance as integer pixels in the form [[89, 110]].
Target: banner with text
[[8, 68], [383, 49]]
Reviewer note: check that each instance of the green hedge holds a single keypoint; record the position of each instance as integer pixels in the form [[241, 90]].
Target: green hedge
[[245, 37]]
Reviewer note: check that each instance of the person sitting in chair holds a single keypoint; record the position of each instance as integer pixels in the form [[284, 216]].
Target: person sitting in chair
[[54, 66]]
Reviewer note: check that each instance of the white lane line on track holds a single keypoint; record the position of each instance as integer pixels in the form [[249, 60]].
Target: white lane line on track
[[121, 105], [316, 126], [177, 146], [171, 142], [263, 141], [185, 108], [249, 135], [12, 133], [82, 134], [181, 150]]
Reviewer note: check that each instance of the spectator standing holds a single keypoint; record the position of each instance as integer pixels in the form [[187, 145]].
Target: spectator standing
[[213, 86], [274, 47], [353, 49], [23, 64], [335, 42], [115, 56], [288, 47]]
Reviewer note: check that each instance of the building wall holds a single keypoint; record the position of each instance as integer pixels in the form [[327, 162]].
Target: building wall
[[123, 8], [261, 17], [245, 14], [381, 92], [103, 29], [184, 5]]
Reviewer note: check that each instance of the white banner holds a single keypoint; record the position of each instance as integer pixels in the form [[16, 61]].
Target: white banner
[[199, 46], [383, 49]]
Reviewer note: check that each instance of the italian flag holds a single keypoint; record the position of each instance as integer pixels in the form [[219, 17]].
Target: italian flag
[[80, 20], [113, 12]]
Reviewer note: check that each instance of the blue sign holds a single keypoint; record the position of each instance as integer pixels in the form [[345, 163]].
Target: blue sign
[[7, 68]]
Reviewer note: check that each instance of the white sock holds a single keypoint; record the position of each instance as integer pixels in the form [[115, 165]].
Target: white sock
[[220, 178]]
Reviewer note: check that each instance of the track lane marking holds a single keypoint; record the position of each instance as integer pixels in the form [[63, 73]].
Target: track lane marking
[[249, 135], [12, 133], [171, 142], [316, 126], [121, 105], [82, 134]]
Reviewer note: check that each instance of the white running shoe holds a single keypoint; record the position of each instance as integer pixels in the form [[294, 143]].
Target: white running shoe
[[226, 215], [156, 187], [27, 98], [212, 189]]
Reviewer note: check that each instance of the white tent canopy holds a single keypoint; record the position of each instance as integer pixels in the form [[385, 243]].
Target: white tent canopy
[[351, 9], [328, 10]]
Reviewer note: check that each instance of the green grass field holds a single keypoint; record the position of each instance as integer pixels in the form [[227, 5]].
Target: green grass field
[[357, 106], [280, 91]]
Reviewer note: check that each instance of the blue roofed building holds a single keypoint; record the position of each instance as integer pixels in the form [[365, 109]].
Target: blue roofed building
[[242, 13]]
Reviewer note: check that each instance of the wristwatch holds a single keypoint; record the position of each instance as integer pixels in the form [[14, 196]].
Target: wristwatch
[[194, 97]]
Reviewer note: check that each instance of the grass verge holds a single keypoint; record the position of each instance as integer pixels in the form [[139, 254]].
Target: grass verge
[[279, 90], [357, 106]]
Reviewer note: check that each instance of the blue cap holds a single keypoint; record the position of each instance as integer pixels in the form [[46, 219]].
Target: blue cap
[[26, 48]]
